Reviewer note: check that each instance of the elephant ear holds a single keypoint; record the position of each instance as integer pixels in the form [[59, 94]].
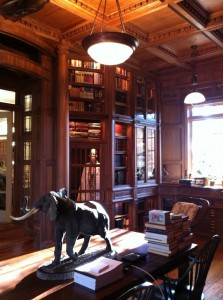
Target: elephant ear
[[52, 211]]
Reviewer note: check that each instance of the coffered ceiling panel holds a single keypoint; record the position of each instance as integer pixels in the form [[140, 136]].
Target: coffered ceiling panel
[[166, 29]]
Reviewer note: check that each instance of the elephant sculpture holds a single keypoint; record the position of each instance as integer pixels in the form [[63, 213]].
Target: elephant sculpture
[[72, 218]]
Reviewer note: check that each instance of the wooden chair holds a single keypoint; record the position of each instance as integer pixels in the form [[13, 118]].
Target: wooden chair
[[143, 291], [195, 208], [190, 285]]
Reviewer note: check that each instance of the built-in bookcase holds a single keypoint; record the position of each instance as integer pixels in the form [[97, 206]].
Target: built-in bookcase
[[121, 155], [86, 86], [112, 113], [122, 91], [145, 154], [86, 129], [151, 100], [145, 98], [122, 214], [140, 96]]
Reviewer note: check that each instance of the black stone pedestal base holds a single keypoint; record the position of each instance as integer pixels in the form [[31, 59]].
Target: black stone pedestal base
[[65, 270]]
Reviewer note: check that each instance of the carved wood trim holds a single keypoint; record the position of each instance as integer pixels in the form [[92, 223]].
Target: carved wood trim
[[24, 33], [14, 61]]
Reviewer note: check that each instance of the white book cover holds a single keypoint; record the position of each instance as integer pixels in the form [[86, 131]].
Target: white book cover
[[98, 273]]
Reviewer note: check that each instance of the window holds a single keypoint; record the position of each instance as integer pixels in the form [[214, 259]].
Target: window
[[205, 140], [7, 96], [27, 145]]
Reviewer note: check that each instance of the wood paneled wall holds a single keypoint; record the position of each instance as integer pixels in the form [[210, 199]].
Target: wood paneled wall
[[175, 85]]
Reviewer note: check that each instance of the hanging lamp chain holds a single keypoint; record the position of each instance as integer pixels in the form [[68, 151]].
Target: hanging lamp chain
[[102, 23], [120, 16], [103, 16], [96, 17]]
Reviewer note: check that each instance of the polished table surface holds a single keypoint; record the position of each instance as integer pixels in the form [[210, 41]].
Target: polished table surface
[[18, 278]]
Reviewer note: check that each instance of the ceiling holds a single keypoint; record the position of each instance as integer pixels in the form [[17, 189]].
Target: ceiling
[[166, 29]]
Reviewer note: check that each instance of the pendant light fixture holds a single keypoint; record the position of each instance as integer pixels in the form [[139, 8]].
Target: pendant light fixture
[[110, 48], [16, 9], [194, 97]]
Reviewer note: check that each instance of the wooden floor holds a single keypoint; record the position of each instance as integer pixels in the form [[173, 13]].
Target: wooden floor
[[214, 284]]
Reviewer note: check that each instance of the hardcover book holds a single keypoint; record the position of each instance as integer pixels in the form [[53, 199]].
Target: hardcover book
[[168, 226], [162, 252], [163, 246], [98, 273], [159, 216]]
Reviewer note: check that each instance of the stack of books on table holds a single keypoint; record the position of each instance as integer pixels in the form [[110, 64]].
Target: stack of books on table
[[167, 233], [98, 273]]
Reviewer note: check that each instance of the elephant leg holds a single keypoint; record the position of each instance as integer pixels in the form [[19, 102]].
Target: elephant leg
[[84, 245], [59, 235], [108, 244], [70, 247], [105, 235]]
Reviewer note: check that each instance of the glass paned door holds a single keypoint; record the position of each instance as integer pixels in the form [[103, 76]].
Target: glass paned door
[[6, 160], [140, 154]]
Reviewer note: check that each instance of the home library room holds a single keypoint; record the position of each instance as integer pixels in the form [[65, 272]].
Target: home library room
[[107, 117]]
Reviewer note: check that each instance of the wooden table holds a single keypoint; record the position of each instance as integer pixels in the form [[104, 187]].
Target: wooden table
[[18, 278]]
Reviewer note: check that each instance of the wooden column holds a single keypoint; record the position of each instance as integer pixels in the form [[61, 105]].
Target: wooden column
[[62, 138]]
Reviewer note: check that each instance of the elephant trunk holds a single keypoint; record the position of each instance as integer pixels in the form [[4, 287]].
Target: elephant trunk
[[28, 214]]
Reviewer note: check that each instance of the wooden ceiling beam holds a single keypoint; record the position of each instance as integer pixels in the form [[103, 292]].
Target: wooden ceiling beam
[[168, 56], [172, 34], [195, 15]]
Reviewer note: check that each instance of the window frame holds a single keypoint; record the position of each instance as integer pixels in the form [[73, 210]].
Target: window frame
[[189, 120]]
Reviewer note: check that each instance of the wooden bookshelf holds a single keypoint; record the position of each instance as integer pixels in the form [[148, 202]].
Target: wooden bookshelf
[[122, 92], [145, 98], [121, 154], [107, 109], [86, 86]]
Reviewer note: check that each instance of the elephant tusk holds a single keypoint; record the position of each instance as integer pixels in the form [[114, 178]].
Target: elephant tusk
[[29, 213]]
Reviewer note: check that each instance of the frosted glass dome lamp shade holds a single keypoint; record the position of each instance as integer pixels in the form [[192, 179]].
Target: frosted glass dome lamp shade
[[110, 48], [194, 98]]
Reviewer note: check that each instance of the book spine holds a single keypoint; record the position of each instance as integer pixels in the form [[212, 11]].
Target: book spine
[[157, 236], [161, 247], [160, 231]]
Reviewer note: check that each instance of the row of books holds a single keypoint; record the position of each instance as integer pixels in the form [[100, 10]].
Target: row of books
[[121, 97], [85, 106], [140, 90], [85, 92], [120, 160], [121, 83], [120, 177], [121, 71], [85, 129], [169, 234], [120, 144], [85, 77], [84, 64]]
